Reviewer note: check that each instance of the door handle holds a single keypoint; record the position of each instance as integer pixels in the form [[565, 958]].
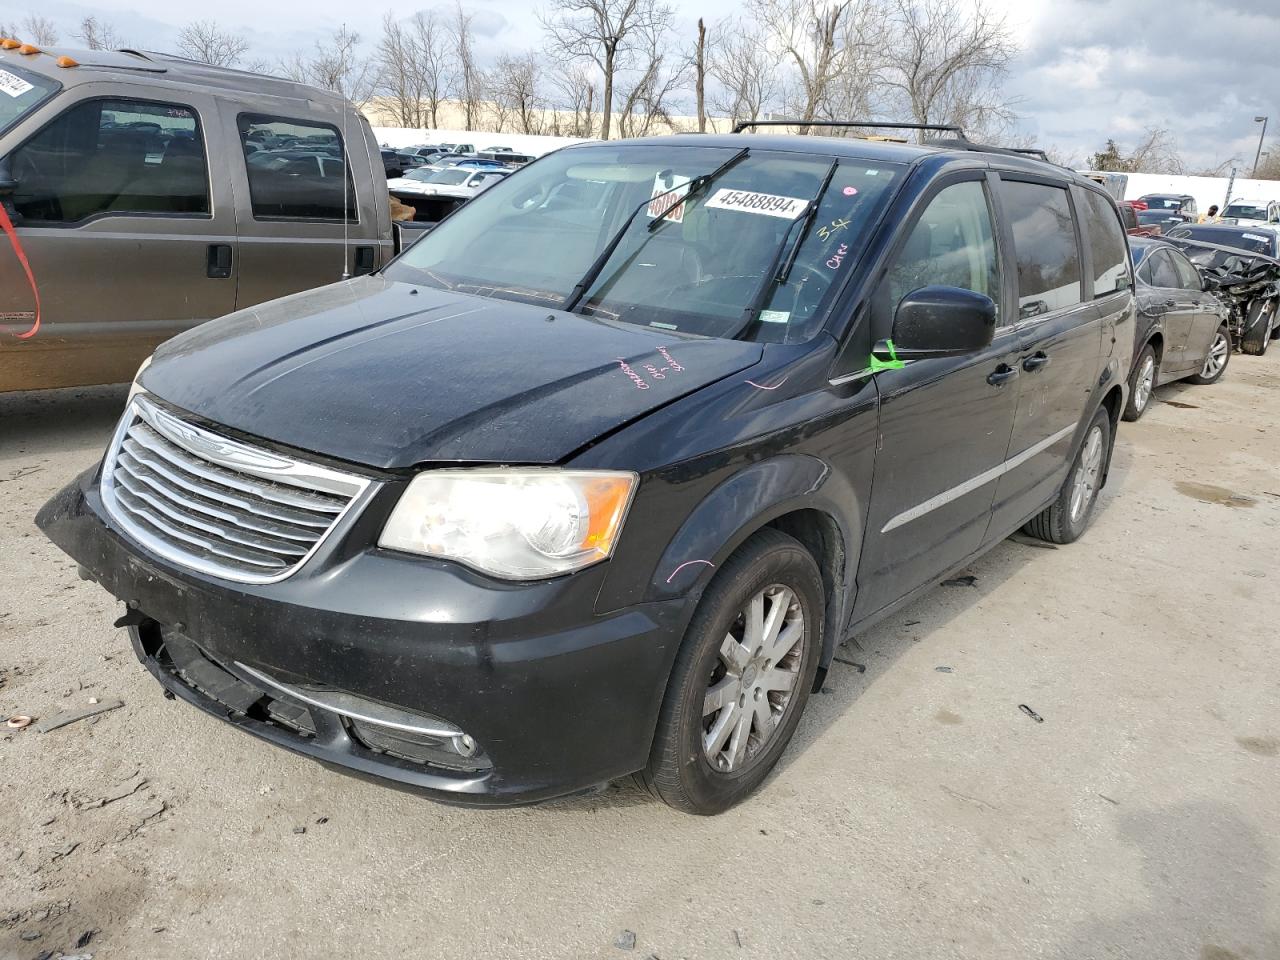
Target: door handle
[[218, 264], [1035, 362], [1001, 375], [1171, 302]]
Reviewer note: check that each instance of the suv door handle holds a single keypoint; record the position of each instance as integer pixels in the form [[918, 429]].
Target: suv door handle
[[1171, 302], [1001, 375], [1035, 362], [218, 264]]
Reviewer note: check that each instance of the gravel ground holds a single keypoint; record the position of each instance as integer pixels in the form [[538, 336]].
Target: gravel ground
[[918, 814]]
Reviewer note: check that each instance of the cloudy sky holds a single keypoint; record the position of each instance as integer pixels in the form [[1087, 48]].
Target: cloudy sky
[[1089, 68]]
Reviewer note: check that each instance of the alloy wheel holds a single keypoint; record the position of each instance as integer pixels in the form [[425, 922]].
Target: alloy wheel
[[754, 680], [1146, 383], [1217, 358], [1084, 485]]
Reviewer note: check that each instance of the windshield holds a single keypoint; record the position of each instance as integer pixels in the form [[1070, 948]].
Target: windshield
[[534, 236], [21, 91], [1163, 203], [1244, 211], [1241, 240]]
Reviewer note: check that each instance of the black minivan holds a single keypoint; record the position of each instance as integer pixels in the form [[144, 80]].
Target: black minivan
[[592, 480]]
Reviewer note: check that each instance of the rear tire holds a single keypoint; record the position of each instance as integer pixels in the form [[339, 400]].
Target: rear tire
[[736, 695], [1215, 364], [1064, 520], [1258, 327], [1142, 385]]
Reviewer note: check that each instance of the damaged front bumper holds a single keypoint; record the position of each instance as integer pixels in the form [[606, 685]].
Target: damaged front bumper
[[415, 671]]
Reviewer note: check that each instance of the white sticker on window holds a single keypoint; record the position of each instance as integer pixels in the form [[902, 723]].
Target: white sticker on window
[[12, 84], [788, 208], [671, 204], [775, 316]]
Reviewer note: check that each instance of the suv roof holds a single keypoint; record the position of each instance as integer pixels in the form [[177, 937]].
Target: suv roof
[[164, 69]]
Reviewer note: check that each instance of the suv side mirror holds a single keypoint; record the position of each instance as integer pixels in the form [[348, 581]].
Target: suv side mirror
[[937, 321]]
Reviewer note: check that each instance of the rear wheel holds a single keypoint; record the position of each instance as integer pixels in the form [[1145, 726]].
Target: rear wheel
[[741, 679], [1144, 382], [1258, 324], [1068, 516], [1215, 363]]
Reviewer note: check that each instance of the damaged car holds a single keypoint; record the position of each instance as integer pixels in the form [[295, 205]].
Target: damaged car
[[593, 479]]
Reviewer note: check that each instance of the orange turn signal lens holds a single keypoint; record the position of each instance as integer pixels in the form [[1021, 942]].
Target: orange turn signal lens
[[607, 499], [67, 62], [27, 49], [8, 43]]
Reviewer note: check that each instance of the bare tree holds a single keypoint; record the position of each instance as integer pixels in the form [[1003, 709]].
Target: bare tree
[[336, 65], [469, 80], [205, 41], [821, 39], [946, 62], [745, 71], [700, 75], [1269, 166], [1155, 152], [34, 29], [645, 99], [414, 72], [514, 88], [603, 32], [576, 87], [98, 34]]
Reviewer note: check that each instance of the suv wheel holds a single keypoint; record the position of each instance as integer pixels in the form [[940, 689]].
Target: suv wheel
[[741, 679], [1144, 382], [1256, 336], [1068, 516], [1215, 364]]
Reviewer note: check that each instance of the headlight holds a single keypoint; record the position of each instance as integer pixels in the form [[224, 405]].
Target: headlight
[[520, 524], [135, 389]]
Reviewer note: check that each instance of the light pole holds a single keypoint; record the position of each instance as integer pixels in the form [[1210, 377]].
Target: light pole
[[1258, 156]]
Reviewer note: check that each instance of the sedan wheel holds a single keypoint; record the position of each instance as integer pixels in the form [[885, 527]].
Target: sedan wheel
[[1215, 362], [1146, 383], [1085, 483], [751, 687]]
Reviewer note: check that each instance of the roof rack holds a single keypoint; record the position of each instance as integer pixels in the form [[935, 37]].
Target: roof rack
[[939, 127], [963, 143]]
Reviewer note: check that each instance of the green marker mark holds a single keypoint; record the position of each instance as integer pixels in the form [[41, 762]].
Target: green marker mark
[[891, 364]]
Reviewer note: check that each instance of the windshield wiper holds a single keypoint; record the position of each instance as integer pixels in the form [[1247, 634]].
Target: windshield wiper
[[774, 275], [694, 186]]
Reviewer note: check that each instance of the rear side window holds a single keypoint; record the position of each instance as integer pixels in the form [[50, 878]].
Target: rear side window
[[296, 168], [952, 244], [1188, 275], [1044, 242], [113, 157], [1107, 243], [1162, 271]]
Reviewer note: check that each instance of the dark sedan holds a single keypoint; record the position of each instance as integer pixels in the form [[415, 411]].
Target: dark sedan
[[1182, 329]]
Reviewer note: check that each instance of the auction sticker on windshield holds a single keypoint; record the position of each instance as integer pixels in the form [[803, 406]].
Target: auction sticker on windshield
[[13, 85], [788, 208], [668, 197]]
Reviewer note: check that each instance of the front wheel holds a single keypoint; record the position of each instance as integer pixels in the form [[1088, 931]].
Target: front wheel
[[1256, 334], [1215, 363], [1144, 382], [741, 679], [1068, 516]]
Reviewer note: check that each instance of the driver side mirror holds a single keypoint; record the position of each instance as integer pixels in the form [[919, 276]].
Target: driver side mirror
[[938, 321]]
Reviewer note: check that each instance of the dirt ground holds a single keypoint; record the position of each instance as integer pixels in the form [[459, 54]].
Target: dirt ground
[[918, 814]]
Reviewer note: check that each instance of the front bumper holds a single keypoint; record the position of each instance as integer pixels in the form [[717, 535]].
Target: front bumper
[[557, 698]]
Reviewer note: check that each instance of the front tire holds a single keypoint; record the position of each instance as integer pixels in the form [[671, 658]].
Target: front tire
[[741, 679], [1144, 382], [1258, 324], [1215, 364], [1064, 520]]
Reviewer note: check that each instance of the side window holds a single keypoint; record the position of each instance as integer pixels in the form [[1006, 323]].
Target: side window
[[1163, 273], [1144, 270], [1044, 243], [1107, 243], [952, 244], [1188, 275], [297, 171], [113, 157]]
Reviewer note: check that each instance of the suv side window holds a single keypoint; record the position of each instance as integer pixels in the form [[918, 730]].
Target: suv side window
[[1163, 273], [1110, 252], [1044, 243], [297, 171], [113, 157], [952, 244]]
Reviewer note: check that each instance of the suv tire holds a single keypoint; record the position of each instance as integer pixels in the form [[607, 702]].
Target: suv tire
[[711, 748], [1064, 520], [1143, 384], [1256, 334], [1215, 364]]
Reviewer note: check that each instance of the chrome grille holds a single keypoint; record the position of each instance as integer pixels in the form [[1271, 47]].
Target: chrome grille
[[217, 505]]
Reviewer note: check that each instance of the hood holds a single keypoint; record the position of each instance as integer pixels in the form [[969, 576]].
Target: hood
[[390, 374]]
